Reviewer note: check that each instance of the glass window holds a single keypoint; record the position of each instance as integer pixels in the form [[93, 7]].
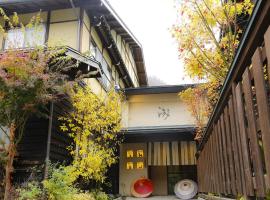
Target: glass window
[[129, 153], [98, 55], [30, 37], [140, 165], [139, 153], [129, 165], [35, 36], [14, 39], [106, 77], [93, 50]]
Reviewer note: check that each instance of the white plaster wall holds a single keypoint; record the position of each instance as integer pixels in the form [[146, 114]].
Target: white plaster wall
[[147, 110]]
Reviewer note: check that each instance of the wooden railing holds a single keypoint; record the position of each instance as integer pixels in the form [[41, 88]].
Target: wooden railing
[[234, 155]]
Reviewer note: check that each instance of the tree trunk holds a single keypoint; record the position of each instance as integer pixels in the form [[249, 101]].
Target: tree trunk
[[9, 165]]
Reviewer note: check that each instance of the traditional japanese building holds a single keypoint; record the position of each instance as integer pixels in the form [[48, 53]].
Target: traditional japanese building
[[96, 38], [159, 139], [158, 129]]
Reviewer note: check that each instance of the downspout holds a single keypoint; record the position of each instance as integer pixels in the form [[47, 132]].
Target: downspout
[[79, 40], [48, 27], [47, 159]]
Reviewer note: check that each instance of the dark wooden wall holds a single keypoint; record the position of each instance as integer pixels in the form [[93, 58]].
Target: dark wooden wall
[[32, 149]]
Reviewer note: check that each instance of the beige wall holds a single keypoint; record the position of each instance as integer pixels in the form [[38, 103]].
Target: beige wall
[[63, 34], [128, 176], [63, 30], [64, 15], [85, 33], [25, 18], [146, 110], [95, 86]]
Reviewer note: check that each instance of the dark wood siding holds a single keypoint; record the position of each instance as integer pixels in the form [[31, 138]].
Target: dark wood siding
[[238, 134], [33, 146]]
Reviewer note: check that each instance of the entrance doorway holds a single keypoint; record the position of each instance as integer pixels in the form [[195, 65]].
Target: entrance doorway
[[177, 173], [164, 178], [158, 175]]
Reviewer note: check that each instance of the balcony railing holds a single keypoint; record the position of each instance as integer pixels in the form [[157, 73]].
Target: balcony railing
[[234, 155]]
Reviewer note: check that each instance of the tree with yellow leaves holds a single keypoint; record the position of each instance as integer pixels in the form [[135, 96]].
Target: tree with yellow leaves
[[94, 125], [208, 34]]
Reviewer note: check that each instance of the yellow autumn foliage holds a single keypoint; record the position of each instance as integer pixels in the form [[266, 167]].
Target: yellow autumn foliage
[[208, 34], [94, 124]]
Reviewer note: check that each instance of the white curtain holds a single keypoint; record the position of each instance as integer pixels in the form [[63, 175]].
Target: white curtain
[[171, 153], [35, 36], [14, 39], [30, 37]]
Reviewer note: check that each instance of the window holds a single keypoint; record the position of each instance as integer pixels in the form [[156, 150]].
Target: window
[[15, 39], [139, 153], [30, 37], [140, 165], [106, 77], [93, 49], [129, 153], [35, 36], [129, 165]]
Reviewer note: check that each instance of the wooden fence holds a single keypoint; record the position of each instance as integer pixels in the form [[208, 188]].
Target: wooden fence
[[234, 156]]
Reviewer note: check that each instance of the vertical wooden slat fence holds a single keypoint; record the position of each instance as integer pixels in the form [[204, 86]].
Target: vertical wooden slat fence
[[235, 157]]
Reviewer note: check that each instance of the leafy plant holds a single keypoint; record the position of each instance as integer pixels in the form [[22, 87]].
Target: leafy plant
[[208, 34], [83, 196], [60, 183], [94, 126], [31, 191], [99, 195], [29, 79], [198, 105], [268, 195]]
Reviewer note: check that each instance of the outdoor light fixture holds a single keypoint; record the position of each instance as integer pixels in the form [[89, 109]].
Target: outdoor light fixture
[[129, 153], [129, 165], [139, 153], [140, 165]]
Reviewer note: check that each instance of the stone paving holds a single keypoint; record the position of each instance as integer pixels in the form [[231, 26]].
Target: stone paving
[[154, 198]]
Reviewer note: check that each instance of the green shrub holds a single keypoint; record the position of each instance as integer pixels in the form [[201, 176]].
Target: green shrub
[[83, 196], [60, 184], [268, 195], [31, 191], [99, 195]]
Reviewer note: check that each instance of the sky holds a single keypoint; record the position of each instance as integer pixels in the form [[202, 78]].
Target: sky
[[150, 21]]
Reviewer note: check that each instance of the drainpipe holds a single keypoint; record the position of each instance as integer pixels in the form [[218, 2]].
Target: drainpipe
[[47, 27], [47, 159]]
